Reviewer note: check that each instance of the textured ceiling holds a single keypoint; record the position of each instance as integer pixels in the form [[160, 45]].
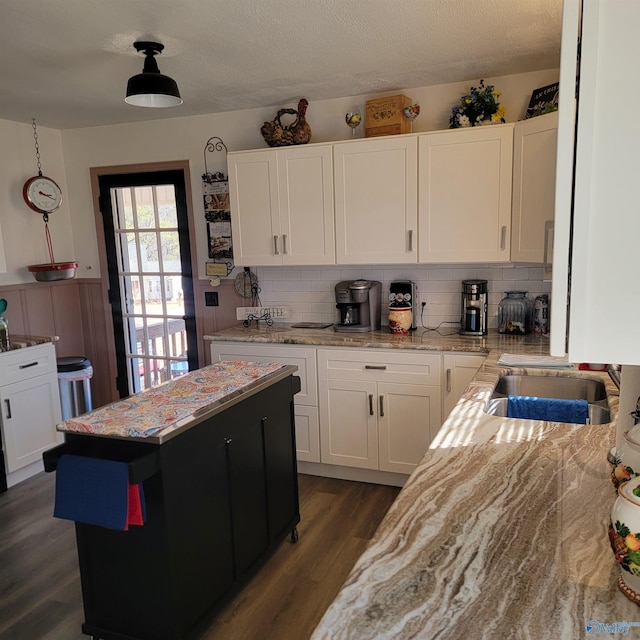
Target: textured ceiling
[[67, 62]]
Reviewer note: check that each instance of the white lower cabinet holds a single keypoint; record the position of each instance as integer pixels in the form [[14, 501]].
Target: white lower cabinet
[[305, 402], [30, 405], [369, 409], [458, 370], [378, 409]]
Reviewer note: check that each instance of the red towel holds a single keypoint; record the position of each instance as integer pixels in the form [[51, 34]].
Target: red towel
[[134, 509]]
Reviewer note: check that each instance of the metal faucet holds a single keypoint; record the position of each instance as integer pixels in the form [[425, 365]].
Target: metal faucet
[[614, 373]]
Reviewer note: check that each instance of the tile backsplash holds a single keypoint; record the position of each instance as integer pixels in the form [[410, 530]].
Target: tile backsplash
[[309, 291]]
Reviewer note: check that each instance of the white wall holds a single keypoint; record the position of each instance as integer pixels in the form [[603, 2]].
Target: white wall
[[67, 156], [22, 229], [185, 138]]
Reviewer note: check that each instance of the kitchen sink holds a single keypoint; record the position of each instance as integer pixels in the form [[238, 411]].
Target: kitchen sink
[[593, 391]]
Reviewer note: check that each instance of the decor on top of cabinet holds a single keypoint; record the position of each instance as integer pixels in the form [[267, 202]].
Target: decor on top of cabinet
[[385, 116], [543, 100], [353, 119], [411, 112], [297, 132], [217, 213], [478, 107], [43, 195], [515, 313]]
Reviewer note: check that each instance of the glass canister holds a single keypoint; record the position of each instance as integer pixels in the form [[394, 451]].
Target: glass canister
[[4, 334], [515, 313]]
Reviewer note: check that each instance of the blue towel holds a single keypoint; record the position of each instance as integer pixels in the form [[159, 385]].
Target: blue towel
[[550, 409], [92, 491]]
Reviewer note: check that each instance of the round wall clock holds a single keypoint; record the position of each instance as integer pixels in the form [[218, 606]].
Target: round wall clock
[[42, 194]]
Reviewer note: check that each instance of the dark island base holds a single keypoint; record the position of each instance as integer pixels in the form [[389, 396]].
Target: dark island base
[[221, 497]]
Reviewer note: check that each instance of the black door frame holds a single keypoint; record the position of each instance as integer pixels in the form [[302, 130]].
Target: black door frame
[[178, 178]]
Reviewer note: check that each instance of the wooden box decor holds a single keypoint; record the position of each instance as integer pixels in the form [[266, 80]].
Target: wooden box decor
[[384, 117]]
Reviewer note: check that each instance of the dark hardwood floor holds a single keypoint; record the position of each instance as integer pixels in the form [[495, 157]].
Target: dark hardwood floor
[[40, 596]]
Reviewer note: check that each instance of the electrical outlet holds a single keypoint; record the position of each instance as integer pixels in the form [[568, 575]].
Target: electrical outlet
[[211, 298], [423, 301]]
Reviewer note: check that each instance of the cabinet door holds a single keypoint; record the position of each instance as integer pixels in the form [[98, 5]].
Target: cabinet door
[[306, 401], [375, 200], [253, 196], [30, 412], [305, 177], [307, 433], [348, 415], [465, 195], [534, 186], [246, 459], [409, 416], [605, 225], [458, 373]]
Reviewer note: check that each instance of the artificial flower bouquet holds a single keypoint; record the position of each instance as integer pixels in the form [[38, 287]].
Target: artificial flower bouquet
[[479, 107]]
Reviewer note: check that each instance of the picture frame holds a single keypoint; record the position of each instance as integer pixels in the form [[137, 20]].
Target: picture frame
[[543, 100]]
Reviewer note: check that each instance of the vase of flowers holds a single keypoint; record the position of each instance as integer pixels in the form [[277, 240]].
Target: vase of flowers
[[478, 107]]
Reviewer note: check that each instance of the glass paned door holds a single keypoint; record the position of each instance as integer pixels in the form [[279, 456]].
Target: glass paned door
[[153, 307]]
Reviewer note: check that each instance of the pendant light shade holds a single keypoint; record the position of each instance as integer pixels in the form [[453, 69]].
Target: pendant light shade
[[150, 88]]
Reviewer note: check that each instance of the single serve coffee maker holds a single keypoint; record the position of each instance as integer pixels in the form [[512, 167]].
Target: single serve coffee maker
[[358, 302], [474, 308]]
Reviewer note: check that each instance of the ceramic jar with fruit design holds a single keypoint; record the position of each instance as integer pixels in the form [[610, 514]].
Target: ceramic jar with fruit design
[[627, 464], [624, 536], [400, 319]]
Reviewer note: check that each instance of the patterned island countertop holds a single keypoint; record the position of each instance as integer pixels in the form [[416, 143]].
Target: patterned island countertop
[[501, 532], [162, 412]]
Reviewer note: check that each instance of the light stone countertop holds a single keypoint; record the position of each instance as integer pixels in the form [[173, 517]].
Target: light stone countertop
[[501, 531], [422, 339]]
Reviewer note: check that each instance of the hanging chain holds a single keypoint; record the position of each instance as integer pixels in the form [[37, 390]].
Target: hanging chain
[[35, 137]]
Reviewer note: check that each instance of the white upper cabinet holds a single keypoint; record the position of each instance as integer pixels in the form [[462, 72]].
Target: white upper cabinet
[[605, 306], [534, 180], [376, 200], [282, 206], [255, 206], [465, 195]]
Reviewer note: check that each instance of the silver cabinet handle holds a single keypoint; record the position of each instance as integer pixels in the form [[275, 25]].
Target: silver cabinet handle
[[547, 265], [410, 239], [381, 407], [448, 379], [379, 367], [275, 246], [284, 244], [8, 403], [503, 237], [26, 366], [371, 404]]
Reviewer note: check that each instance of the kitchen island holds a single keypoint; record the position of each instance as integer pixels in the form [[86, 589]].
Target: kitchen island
[[213, 457]]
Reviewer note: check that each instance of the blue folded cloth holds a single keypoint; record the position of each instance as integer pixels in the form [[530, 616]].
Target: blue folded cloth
[[550, 409], [92, 491]]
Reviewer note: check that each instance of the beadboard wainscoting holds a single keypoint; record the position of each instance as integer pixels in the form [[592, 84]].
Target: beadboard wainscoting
[[310, 291]]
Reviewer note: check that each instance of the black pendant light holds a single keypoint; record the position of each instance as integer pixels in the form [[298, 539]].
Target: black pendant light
[[150, 88]]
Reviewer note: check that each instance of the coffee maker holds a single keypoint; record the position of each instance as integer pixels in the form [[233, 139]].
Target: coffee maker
[[358, 302], [474, 308]]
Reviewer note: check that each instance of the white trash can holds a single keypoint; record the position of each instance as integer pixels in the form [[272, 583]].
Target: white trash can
[[74, 375]]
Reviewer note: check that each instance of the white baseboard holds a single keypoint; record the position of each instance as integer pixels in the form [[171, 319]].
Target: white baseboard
[[351, 473]]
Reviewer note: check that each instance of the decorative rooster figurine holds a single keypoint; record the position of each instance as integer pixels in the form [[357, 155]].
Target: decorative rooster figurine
[[298, 132]]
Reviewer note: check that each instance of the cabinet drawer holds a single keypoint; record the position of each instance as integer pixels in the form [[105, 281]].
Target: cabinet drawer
[[26, 363], [304, 359], [378, 365]]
